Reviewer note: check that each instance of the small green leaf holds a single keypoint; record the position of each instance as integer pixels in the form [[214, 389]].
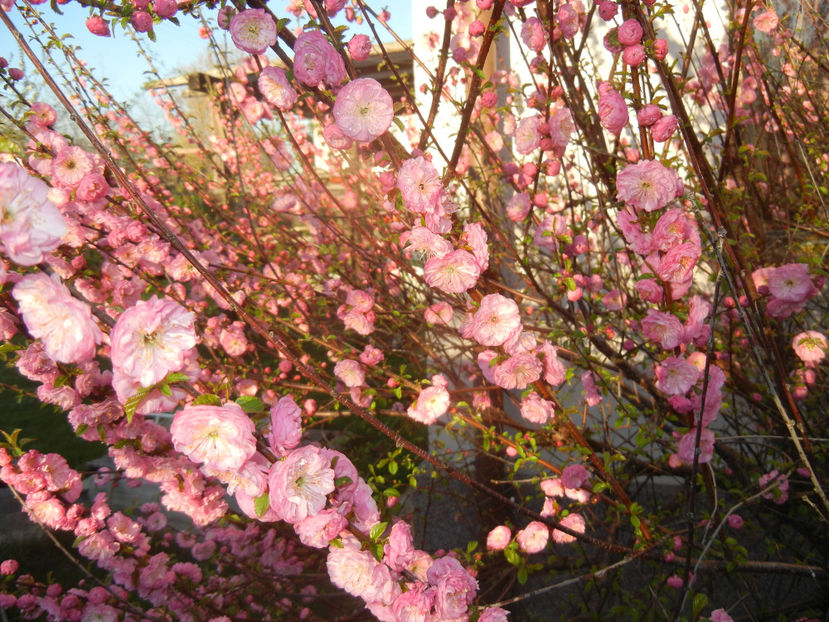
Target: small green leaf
[[261, 504], [208, 399], [345, 480], [393, 467], [337, 543], [165, 389], [250, 404], [700, 600], [176, 376], [377, 531]]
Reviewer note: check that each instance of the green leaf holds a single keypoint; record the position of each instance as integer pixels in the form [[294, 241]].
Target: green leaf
[[337, 543], [393, 467], [377, 531], [345, 480], [260, 504], [250, 404], [391, 492], [522, 575], [176, 376], [699, 602], [399, 124], [208, 399], [165, 389], [134, 402]]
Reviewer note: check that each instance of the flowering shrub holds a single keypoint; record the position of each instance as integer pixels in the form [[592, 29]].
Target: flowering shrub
[[573, 264]]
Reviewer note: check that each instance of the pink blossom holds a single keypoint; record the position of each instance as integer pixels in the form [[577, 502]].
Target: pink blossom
[[630, 32], [363, 110], [152, 339], [474, 235], [399, 552], [232, 339], [335, 138], [253, 31], [359, 47], [664, 128], [300, 484], [414, 605], [554, 372], [527, 137], [518, 371], [71, 165], [30, 224], [532, 34], [648, 115], [419, 184], [613, 111], [720, 615], [165, 8], [276, 89], [93, 187], [318, 530], [672, 228], [766, 21], [454, 273], [791, 282], [440, 313], [675, 376], [498, 538], [810, 346], [430, 405], [591, 392], [663, 328], [518, 207], [567, 19], [639, 241], [533, 538], [634, 55], [647, 185], [561, 128], [422, 240], [495, 320], [780, 482], [607, 9], [97, 25], [574, 476], [735, 521], [535, 409], [286, 426], [316, 60], [685, 447], [572, 521], [219, 436], [677, 265], [142, 21], [351, 569], [493, 614], [51, 314], [350, 373], [455, 588]]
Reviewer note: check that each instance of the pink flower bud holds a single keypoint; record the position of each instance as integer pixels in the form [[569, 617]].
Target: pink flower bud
[[97, 25], [476, 28], [142, 21], [660, 49], [634, 55], [15, 73], [664, 128], [359, 47], [165, 8], [648, 115], [630, 33], [607, 10]]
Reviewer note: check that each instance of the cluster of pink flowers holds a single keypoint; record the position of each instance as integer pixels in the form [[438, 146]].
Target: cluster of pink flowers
[[788, 287], [31, 225]]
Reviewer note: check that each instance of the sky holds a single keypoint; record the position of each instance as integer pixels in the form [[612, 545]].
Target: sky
[[116, 57]]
